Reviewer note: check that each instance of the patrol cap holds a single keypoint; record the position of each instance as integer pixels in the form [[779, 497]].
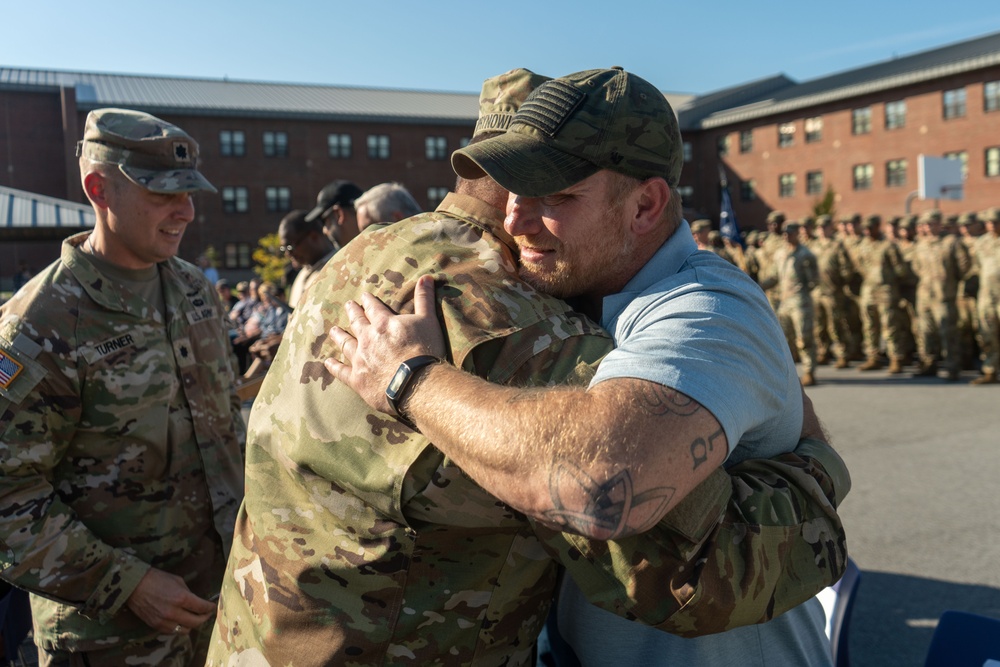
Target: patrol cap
[[808, 222], [873, 220], [926, 217], [150, 152], [792, 228], [502, 96], [824, 220], [337, 193], [990, 215], [700, 225], [967, 219], [908, 221], [776, 217], [572, 127]]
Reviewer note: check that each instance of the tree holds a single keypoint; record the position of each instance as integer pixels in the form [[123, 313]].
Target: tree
[[270, 261], [825, 205]]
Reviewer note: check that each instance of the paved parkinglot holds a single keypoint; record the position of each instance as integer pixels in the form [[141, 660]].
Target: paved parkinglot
[[923, 517]]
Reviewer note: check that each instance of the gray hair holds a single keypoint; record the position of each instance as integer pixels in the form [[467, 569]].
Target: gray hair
[[388, 202]]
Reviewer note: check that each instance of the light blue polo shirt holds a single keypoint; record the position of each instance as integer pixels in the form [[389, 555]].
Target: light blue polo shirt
[[692, 321]]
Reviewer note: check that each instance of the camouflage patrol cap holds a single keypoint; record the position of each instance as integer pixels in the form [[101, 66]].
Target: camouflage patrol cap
[[990, 215], [502, 96], [150, 152], [926, 217], [809, 222], [873, 220], [701, 225], [824, 220], [967, 219], [776, 217], [907, 221], [792, 228], [572, 127]]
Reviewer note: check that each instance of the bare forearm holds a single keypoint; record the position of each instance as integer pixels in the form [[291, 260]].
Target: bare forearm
[[603, 463]]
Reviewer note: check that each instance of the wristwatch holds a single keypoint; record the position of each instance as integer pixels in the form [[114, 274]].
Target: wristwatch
[[401, 380]]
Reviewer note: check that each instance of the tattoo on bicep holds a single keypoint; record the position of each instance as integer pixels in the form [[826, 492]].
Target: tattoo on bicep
[[659, 400], [606, 510], [701, 447]]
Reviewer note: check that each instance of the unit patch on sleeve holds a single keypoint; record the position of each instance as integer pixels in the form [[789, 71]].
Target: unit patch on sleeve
[[10, 368]]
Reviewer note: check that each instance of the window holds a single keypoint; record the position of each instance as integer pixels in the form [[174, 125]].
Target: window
[[895, 173], [863, 176], [686, 192], [991, 96], [686, 151], [237, 256], [954, 103], [436, 148], [993, 161], [235, 200], [746, 141], [378, 146], [814, 129], [786, 135], [786, 185], [861, 120], [748, 190], [276, 144], [338, 146], [895, 115], [723, 145], [963, 157], [232, 143], [435, 195], [814, 182], [278, 199]]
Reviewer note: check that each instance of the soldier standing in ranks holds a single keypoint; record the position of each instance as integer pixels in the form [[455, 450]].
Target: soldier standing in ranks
[[940, 262], [750, 255], [986, 258], [970, 343], [906, 231], [794, 276], [849, 229], [768, 248], [882, 270], [834, 269]]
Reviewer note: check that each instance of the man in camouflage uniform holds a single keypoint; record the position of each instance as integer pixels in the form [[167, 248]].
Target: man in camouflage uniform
[[835, 270], [361, 541], [120, 433], [560, 455], [906, 233], [882, 272], [705, 237], [770, 245], [986, 256], [970, 342], [795, 275], [849, 233], [940, 262]]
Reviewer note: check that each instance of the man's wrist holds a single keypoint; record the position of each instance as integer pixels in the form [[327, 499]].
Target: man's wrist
[[403, 382]]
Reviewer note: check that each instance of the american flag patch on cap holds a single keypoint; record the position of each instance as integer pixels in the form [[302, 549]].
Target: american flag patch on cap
[[9, 369]]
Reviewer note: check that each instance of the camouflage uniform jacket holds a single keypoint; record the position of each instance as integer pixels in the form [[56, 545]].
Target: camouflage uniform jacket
[[986, 253], [91, 493], [794, 274], [833, 265], [940, 264], [359, 543], [882, 268]]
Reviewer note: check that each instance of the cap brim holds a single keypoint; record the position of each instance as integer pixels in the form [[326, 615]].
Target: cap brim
[[317, 212], [522, 164], [168, 182]]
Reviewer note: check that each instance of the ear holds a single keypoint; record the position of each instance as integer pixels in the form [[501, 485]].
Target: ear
[[651, 198], [95, 186]]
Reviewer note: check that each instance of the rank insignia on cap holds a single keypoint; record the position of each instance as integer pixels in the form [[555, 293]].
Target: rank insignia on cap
[[181, 152], [9, 369]]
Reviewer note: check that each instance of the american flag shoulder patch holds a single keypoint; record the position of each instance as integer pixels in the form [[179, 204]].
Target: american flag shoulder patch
[[10, 368]]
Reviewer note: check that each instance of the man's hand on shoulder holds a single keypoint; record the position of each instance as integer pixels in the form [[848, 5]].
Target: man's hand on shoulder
[[164, 603], [382, 339]]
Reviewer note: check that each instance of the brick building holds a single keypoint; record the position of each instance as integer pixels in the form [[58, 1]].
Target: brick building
[[270, 147]]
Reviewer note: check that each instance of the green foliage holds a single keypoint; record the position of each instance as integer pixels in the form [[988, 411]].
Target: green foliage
[[825, 205], [270, 261], [213, 256]]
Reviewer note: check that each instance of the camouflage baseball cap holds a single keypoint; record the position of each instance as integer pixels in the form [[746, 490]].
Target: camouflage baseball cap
[[151, 152], [572, 127], [502, 96], [700, 225]]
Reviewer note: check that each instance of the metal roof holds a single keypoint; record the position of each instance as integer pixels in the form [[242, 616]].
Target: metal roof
[[159, 94], [967, 56], [27, 210]]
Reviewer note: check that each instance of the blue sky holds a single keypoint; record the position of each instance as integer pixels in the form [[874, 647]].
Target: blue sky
[[691, 47]]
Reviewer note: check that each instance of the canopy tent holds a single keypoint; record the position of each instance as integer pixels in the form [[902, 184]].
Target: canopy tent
[[26, 215]]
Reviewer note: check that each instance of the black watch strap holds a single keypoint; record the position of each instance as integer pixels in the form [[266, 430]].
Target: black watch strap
[[402, 382]]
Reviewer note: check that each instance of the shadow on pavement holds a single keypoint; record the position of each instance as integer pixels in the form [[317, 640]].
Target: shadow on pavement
[[895, 615]]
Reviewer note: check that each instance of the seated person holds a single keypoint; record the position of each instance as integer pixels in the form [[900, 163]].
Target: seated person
[[271, 318]]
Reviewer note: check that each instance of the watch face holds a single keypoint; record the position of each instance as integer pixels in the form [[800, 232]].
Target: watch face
[[396, 383]]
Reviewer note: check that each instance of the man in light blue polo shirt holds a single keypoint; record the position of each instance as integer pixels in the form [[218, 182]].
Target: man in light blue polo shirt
[[701, 376]]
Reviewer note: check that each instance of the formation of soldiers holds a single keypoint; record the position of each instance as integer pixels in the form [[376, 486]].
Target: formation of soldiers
[[911, 290]]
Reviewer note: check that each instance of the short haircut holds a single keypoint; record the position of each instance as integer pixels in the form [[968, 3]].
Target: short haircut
[[384, 201]]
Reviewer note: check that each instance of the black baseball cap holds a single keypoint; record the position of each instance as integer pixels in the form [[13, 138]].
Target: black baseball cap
[[337, 193]]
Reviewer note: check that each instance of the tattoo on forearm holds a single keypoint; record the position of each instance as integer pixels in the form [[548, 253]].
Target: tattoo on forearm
[[660, 400], [609, 509], [701, 447]]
